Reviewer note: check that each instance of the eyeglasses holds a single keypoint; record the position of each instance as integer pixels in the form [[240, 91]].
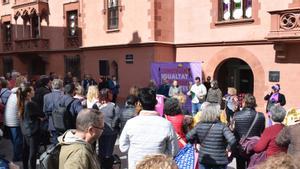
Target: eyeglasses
[[100, 128]]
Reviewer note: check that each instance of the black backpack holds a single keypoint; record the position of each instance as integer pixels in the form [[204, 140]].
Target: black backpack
[[50, 158], [62, 118]]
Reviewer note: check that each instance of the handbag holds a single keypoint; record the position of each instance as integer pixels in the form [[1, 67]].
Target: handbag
[[243, 143], [187, 157]]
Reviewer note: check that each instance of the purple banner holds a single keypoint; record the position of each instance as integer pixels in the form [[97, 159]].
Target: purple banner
[[183, 72]]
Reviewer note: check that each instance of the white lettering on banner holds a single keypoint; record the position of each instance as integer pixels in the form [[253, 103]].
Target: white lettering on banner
[[174, 76]]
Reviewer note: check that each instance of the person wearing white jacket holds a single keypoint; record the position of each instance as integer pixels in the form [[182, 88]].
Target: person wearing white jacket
[[197, 92], [12, 121], [147, 133]]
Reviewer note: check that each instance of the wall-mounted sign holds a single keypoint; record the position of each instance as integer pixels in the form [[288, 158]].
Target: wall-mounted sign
[[129, 59], [274, 76]]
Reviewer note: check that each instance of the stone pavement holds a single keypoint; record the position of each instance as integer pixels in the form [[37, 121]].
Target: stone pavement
[[6, 149]]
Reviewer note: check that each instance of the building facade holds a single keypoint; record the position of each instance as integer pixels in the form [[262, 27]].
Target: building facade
[[247, 44]]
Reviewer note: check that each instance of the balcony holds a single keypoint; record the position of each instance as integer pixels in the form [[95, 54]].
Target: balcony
[[7, 46], [285, 26], [21, 2], [31, 45]]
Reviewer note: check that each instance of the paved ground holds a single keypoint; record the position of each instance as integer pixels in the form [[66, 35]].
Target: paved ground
[[6, 148]]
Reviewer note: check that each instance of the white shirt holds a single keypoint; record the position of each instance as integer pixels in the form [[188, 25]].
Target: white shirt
[[199, 91], [147, 134]]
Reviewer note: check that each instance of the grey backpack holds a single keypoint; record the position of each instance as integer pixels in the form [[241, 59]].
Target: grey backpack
[[50, 158]]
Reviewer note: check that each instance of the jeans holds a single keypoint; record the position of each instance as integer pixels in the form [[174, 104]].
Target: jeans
[[229, 115], [30, 150], [196, 107], [204, 166], [16, 138]]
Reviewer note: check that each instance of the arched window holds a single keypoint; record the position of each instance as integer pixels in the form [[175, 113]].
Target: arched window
[[235, 9]]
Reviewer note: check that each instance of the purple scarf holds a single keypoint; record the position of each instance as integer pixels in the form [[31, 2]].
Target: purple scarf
[[274, 98]]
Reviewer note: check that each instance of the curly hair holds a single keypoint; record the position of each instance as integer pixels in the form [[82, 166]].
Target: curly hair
[[172, 107], [158, 161], [280, 161]]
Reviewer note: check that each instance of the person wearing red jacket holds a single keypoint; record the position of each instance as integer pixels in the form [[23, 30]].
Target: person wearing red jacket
[[173, 113], [267, 140]]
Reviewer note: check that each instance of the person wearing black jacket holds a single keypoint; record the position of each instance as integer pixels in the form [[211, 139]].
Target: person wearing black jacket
[[30, 118], [213, 137], [274, 98], [242, 121], [43, 87]]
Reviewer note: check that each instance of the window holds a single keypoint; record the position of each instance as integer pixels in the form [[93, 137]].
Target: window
[[103, 67], [72, 64], [5, 1], [72, 23], [7, 64], [113, 14], [35, 26], [235, 9], [7, 31]]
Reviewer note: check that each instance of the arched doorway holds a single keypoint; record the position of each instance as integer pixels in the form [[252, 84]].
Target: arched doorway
[[235, 73]]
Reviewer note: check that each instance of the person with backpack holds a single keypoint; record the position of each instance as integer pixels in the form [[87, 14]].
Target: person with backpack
[[5, 92], [64, 117], [111, 128], [76, 145], [30, 118], [50, 104]]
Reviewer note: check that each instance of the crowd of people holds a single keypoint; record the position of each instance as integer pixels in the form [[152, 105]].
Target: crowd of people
[[85, 119]]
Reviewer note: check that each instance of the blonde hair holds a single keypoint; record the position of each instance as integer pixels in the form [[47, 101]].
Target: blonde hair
[[20, 80], [181, 98], [231, 90], [79, 90], [158, 161], [92, 93], [280, 161]]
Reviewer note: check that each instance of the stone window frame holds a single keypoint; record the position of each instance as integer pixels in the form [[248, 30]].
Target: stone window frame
[[68, 20], [106, 12], [216, 13], [232, 8]]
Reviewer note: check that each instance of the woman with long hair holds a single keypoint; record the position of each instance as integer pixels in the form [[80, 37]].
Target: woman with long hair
[[92, 96], [30, 118], [108, 138]]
